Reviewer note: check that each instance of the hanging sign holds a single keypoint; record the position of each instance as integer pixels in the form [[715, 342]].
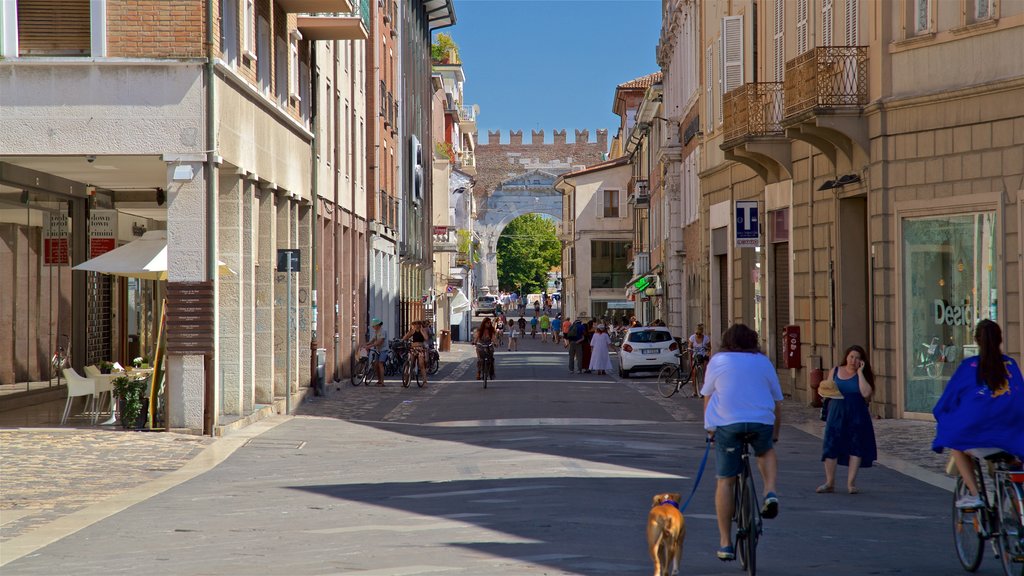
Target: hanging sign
[[102, 232], [748, 229], [56, 249]]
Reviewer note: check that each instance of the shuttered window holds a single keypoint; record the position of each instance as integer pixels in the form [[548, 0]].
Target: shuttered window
[[778, 41], [53, 28], [801, 26], [826, 23], [721, 79], [732, 61], [852, 22], [709, 102]]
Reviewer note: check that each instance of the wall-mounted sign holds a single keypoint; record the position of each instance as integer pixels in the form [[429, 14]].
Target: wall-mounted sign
[[102, 232], [56, 248], [748, 228]]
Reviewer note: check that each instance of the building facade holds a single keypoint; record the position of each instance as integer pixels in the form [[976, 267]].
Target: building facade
[[885, 183]]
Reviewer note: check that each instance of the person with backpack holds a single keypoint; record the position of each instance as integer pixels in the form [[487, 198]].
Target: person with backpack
[[575, 336]]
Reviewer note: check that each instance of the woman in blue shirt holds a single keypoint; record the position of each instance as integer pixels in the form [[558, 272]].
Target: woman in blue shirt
[[981, 411]]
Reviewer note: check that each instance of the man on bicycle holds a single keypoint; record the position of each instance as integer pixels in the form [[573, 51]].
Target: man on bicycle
[[742, 400], [376, 342]]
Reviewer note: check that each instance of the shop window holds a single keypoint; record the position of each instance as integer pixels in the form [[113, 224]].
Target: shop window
[[949, 284]]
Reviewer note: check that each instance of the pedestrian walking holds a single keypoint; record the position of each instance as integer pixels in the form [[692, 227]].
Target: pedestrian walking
[[545, 325], [522, 326], [513, 337], [533, 326], [587, 348], [849, 434], [556, 328], [600, 359], [574, 336]]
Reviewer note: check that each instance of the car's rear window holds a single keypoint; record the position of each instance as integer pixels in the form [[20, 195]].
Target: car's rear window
[[650, 336]]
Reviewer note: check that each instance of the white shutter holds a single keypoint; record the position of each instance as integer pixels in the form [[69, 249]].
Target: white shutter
[[801, 26], [852, 19], [779, 41], [827, 25], [732, 32], [721, 79], [709, 103]]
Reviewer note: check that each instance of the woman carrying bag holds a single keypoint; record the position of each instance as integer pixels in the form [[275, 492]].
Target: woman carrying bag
[[849, 433]]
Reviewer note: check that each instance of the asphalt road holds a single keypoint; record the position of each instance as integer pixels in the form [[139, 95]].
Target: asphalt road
[[542, 473]]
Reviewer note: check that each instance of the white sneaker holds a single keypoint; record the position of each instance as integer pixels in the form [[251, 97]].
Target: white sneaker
[[968, 501]]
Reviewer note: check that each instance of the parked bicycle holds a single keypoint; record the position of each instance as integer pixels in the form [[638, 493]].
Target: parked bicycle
[[362, 370], [433, 361], [1000, 519], [397, 354], [934, 356], [673, 377], [411, 368], [61, 358]]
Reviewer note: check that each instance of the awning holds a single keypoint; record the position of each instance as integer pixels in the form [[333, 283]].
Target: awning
[[144, 258], [459, 302]]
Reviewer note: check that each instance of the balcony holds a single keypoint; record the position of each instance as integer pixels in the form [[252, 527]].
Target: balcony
[[467, 117], [352, 25], [468, 161], [753, 132], [565, 231], [638, 191], [826, 89], [299, 6]]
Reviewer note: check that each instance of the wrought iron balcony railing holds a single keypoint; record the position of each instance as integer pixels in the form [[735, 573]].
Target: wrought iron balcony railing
[[827, 77], [754, 109]]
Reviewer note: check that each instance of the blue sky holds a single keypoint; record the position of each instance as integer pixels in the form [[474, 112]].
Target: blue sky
[[552, 64]]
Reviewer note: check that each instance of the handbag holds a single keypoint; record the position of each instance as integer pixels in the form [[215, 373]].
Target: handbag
[[823, 415]]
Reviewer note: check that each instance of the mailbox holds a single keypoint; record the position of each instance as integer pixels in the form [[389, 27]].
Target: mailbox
[[791, 344]]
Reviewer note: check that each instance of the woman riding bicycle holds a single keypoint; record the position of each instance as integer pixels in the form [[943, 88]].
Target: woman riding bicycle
[[742, 397], [700, 348], [484, 341], [981, 411], [419, 337]]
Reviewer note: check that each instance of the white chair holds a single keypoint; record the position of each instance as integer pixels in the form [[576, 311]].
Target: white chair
[[104, 385], [77, 386]]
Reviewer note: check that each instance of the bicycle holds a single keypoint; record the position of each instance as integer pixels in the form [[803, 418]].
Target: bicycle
[[362, 371], [61, 359], [433, 361], [411, 368], [487, 362], [747, 512], [673, 377], [1000, 519], [395, 362]]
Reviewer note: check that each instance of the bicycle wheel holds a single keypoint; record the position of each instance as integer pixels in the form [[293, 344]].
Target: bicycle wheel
[[435, 363], [406, 373], [934, 368], [967, 538], [486, 374], [747, 525], [1011, 533], [698, 379], [418, 374], [359, 371], [668, 380]]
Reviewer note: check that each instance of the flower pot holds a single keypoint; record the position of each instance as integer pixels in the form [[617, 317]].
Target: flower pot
[[140, 418]]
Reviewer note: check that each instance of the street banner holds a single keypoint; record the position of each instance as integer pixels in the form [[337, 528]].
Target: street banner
[[748, 229], [102, 232], [56, 241]]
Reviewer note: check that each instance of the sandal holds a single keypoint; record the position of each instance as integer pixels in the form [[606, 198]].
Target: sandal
[[726, 553], [825, 489], [853, 490]]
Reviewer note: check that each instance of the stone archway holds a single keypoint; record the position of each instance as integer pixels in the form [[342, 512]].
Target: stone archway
[[530, 193]]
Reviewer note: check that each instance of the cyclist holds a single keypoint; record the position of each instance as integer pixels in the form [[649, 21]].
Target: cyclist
[[700, 349], [484, 335], [419, 337], [981, 411], [742, 395], [376, 341], [499, 329]]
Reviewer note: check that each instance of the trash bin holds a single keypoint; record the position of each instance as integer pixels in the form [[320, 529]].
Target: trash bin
[[321, 368], [446, 341]]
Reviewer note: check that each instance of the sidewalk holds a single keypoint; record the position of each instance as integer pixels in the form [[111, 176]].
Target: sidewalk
[[56, 481]]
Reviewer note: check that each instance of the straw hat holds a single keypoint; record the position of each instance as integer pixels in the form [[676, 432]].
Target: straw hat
[[828, 389]]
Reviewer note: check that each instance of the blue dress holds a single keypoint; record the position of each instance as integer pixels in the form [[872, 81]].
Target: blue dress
[[848, 429]]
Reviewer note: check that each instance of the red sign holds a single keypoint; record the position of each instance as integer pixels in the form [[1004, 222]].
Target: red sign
[[56, 248], [102, 232]]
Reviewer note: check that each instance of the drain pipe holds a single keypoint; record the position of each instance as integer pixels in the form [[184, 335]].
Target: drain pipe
[[314, 252], [210, 412]]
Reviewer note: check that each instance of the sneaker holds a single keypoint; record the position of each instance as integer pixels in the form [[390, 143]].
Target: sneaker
[[968, 501], [770, 509], [726, 553]]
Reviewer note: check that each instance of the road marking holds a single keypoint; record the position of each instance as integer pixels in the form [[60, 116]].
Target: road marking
[[542, 422], [522, 439], [480, 491], [405, 571], [876, 515]]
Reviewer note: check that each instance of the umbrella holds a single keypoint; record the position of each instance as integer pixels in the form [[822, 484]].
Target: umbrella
[[143, 258]]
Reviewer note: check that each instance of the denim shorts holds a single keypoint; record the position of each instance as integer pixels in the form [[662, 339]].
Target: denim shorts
[[728, 461]]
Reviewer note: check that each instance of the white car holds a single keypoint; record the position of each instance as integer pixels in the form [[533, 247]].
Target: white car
[[646, 349]]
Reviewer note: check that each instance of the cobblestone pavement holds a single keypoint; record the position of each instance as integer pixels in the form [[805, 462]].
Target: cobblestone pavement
[[47, 473]]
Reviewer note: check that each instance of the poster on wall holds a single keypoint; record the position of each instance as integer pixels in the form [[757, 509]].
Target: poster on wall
[[56, 249], [102, 232]]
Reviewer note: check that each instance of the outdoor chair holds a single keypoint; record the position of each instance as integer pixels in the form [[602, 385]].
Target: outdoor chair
[[77, 386], [104, 386]]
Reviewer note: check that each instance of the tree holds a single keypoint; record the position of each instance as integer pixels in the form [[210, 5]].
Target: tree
[[527, 249]]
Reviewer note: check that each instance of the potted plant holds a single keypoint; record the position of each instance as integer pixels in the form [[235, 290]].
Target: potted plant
[[140, 362], [106, 367], [130, 395]]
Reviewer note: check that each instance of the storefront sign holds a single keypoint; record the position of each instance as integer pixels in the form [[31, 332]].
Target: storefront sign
[[102, 232], [953, 315], [748, 229], [56, 247]]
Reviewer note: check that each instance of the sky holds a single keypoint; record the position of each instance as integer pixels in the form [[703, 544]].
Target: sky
[[552, 64]]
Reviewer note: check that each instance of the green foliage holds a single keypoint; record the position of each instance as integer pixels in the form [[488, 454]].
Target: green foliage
[[130, 390], [442, 47], [527, 250]]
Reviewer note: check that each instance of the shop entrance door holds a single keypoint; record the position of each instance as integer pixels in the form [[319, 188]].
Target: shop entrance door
[[852, 275]]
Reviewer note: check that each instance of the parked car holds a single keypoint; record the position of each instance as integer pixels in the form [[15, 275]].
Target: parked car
[[485, 304], [646, 349]]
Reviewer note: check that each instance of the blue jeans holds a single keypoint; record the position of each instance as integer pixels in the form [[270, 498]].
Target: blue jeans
[[728, 460]]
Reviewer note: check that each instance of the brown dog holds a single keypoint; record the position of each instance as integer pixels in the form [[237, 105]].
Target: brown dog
[[666, 529]]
